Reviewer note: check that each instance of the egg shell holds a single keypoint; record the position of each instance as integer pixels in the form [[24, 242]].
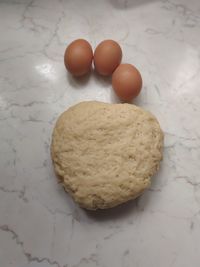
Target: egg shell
[[78, 57], [126, 82], [107, 57]]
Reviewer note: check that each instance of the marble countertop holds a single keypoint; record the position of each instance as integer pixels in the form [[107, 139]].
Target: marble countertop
[[39, 223]]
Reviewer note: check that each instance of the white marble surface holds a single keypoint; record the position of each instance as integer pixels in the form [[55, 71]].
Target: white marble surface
[[39, 223]]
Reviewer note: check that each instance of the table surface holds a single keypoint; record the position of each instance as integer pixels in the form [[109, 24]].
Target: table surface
[[39, 223]]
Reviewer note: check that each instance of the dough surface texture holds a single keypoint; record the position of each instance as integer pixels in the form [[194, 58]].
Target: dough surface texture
[[105, 154]]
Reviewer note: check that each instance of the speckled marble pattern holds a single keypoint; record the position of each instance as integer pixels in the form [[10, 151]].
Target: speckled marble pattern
[[39, 223]]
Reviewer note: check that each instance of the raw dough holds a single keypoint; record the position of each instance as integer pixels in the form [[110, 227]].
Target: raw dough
[[105, 154]]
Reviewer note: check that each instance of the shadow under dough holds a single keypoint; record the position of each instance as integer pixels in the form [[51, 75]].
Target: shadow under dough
[[131, 207], [117, 212]]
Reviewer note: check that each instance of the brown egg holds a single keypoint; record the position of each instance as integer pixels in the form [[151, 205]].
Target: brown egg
[[78, 57], [107, 57], [127, 82]]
